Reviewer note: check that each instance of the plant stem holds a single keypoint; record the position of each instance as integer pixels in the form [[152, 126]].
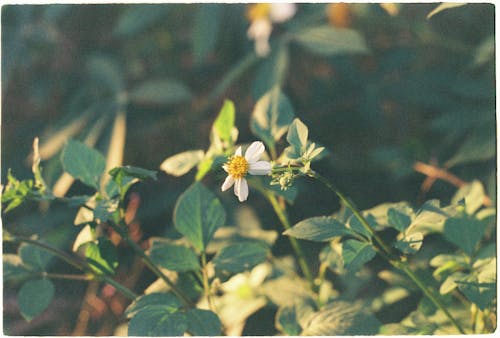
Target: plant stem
[[283, 217], [150, 264], [67, 276], [385, 251], [206, 285]]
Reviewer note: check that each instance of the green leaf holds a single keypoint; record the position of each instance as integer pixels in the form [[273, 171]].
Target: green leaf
[[137, 18], [271, 117], [134, 172], [356, 225], [203, 323], [450, 284], [444, 6], [160, 92], [181, 163], [297, 135], [398, 220], [104, 73], [174, 257], [102, 255], [35, 257], [356, 253], [205, 30], [166, 302], [290, 318], [14, 268], [83, 163], [34, 297], [240, 257], [224, 123], [327, 41], [154, 322], [464, 232], [481, 294], [342, 318], [410, 243], [319, 229], [197, 214]]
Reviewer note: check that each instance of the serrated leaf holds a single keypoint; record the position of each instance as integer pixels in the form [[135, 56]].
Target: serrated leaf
[[34, 297], [137, 18], [203, 323], [271, 117], [319, 229], [342, 318], [297, 135], [240, 257], [197, 214], [464, 232], [35, 257], [83, 163], [155, 322], [166, 302], [327, 40], [160, 92], [174, 257], [224, 123], [182, 163], [356, 253]]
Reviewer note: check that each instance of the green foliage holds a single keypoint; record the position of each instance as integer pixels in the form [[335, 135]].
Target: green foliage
[[14, 268], [83, 163], [174, 257], [102, 255], [356, 253], [16, 192], [153, 322], [160, 92], [203, 323], [34, 297], [198, 214], [464, 232], [224, 123], [239, 257], [320, 229], [35, 257], [327, 41], [205, 30], [134, 20], [181, 163]]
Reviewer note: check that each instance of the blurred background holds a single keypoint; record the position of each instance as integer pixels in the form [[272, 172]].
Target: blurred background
[[143, 82]]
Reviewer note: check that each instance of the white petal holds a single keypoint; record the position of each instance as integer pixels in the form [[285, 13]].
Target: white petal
[[241, 189], [228, 183], [254, 151], [238, 151], [225, 167], [281, 12], [260, 168]]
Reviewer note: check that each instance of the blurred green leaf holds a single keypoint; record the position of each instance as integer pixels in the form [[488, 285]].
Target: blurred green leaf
[[35, 257], [205, 30], [444, 6], [83, 163], [319, 229], [465, 232], [34, 297], [160, 92], [14, 268], [297, 135], [355, 224], [203, 323], [356, 253], [271, 117], [166, 302], [154, 322], [398, 220], [134, 172], [240, 257], [485, 51], [181, 163], [224, 123], [104, 254], [410, 242], [104, 72], [272, 71], [450, 284], [479, 145], [342, 318], [137, 18], [327, 40], [473, 194], [197, 214], [174, 257]]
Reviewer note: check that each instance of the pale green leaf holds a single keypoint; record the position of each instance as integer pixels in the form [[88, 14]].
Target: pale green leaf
[[14, 268], [319, 229], [224, 123], [182, 163], [297, 135]]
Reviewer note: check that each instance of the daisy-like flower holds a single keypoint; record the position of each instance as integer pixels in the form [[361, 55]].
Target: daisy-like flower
[[238, 166]]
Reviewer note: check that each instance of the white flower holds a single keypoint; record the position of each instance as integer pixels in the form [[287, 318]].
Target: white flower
[[260, 31], [238, 166], [281, 12]]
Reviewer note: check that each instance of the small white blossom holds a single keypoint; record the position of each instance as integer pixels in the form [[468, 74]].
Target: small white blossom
[[281, 12], [238, 166], [260, 31]]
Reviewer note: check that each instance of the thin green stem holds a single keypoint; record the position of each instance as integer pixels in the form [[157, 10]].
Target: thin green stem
[[385, 251], [206, 284], [67, 276], [151, 265]]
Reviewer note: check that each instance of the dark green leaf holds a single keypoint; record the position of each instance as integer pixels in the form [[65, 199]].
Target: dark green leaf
[[160, 92], [134, 172], [356, 253], [174, 257], [398, 220], [197, 214], [203, 323], [328, 40], [154, 322], [102, 255], [83, 163], [181, 163], [271, 117], [481, 294], [35, 257], [464, 232], [224, 123], [205, 30], [240, 257], [34, 297], [166, 302], [319, 229], [137, 18]]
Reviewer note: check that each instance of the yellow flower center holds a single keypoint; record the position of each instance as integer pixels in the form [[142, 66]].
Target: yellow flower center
[[258, 11], [237, 166]]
